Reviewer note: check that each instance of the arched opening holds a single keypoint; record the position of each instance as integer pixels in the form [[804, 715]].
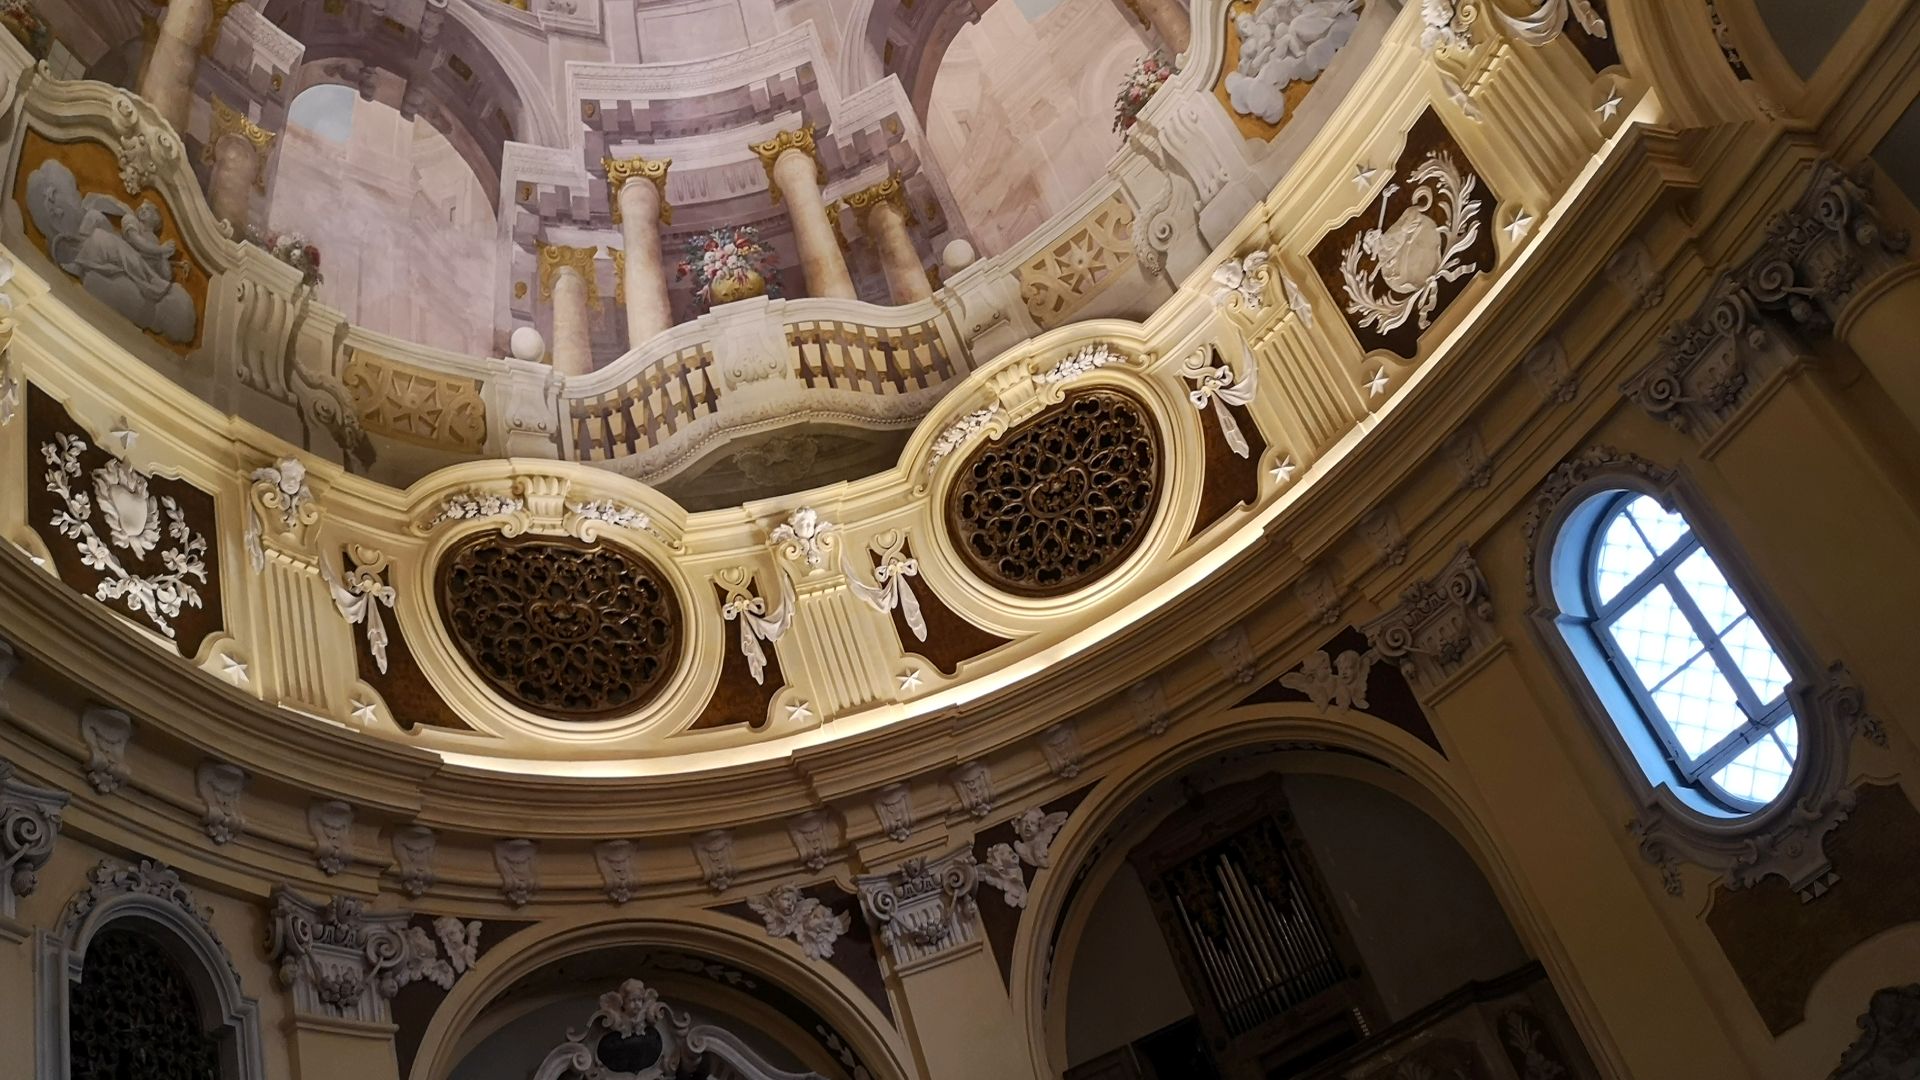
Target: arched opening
[[134, 1013], [405, 230], [1292, 915], [646, 1010], [1019, 134]]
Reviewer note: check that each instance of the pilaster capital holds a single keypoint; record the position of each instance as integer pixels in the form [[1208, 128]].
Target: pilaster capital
[[926, 909], [771, 150], [622, 170], [231, 121], [29, 824], [887, 191], [343, 962], [1440, 625], [555, 258]]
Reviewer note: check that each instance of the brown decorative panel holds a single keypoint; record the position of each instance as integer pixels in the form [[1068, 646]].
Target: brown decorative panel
[[1231, 480], [1403, 260], [951, 639], [145, 546], [410, 696], [1780, 946], [1601, 52], [1063, 499], [740, 698], [564, 629]]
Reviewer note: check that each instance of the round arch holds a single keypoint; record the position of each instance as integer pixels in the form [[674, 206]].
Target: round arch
[[836, 1002], [1672, 48], [1357, 745]]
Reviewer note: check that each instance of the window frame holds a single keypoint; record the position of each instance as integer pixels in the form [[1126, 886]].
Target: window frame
[[1683, 816], [1763, 718]]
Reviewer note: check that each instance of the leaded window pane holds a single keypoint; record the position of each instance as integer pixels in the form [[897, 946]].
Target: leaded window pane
[[1760, 772], [1655, 636], [1700, 706], [1755, 658]]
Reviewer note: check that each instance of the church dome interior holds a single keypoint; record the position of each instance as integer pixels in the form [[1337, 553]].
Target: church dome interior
[[959, 539]]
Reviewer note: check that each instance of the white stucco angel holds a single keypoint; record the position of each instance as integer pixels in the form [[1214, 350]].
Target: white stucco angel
[[114, 250], [1283, 42]]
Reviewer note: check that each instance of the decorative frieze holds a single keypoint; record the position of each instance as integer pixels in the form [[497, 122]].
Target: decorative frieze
[[106, 732], [517, 863], [802, 919], [1232, 653], [925, 909], [342, 962], [615, 860], [1548, 367], [29, 825], [973, 784], [1439, 625], [810, 842], [891, 586], [894, 807], [713, 850], [413, 848], [1062, 749], [331, 823], [219, 785], [1148, 702]]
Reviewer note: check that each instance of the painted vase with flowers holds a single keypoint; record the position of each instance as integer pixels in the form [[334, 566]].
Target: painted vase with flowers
[[1145, 78], [729, 264], [293, 249]]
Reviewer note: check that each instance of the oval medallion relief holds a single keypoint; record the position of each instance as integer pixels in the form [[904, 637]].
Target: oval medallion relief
[[560, 628], [1063, 499]]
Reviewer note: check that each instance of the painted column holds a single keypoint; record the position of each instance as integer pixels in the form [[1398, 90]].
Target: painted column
[[1168, 19], [795, 175], [187, 29], [238, 149], [885, 215], [640, 207], [567, 282]]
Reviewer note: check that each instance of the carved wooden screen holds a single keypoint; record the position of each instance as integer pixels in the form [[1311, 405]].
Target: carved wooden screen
[[1266, 963], [134, 1016]]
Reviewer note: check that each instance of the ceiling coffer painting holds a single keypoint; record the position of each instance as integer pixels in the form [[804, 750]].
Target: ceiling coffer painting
[[1426, 236]]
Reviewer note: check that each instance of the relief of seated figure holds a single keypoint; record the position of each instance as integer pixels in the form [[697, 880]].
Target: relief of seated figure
[[114, 250]]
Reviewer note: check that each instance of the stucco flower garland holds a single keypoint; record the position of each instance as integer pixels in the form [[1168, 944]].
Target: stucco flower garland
[[133, 518]]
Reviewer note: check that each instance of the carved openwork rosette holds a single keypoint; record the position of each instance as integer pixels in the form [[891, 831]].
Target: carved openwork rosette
[[565, 630], [1061, 501]]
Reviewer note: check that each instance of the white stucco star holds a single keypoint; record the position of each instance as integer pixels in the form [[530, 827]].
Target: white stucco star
[[363, 710], [233, 670], [909, 680], [1363, 176], [1283, 472], [1610, 108], [799, 713], [1378, 384], [1520, 226], [123, 434]]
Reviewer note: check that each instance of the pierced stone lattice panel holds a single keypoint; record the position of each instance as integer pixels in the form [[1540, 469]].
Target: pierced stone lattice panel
[[1062, 500], [565, 630]]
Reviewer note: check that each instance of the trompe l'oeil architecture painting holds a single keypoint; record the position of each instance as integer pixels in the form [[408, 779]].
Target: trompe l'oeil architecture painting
[[959, 540]]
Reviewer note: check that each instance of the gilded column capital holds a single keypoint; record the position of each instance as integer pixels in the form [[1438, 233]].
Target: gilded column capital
[[890, 190], [800, 139], [557, 257], [833, 222], [212, 36], [619, 257], [231, 121], [621, 170]]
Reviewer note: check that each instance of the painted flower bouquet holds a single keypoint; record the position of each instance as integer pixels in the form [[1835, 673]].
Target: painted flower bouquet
[[24, 23], [293, 249], [1147, 75], [729, 264]]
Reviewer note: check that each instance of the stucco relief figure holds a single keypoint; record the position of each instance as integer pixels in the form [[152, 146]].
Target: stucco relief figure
[[114, 250], [1283, 42]]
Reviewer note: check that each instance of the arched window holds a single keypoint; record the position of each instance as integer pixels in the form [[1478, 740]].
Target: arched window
[[1692, 678], [134, 1014]]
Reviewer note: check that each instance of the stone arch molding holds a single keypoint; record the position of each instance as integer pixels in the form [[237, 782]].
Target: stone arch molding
[[149, 895], [1425, 780], [1787, 837], [875, 1043]]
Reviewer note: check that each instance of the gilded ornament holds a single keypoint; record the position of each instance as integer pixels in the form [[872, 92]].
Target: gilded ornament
[[888, 191], [228, 121], [555, 258], [770, 151], [621, 170]]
